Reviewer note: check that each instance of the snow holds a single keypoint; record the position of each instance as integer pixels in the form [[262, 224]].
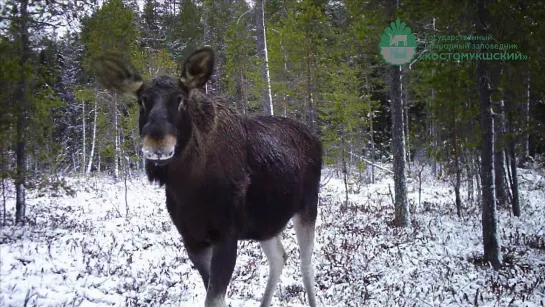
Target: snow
[[86, 250]]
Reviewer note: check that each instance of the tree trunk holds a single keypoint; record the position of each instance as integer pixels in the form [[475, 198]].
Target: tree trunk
[[75, 160], [491, 242], [243, 94], [93, 142], [402, 218], [401, 204], [344, 168], [432, 129], [526, 122], [116, 140], [22, 118], [508, 170], [310, 96], [84, 134], [433, 136], [512, 154], [514, 182], [469, 171], [458, 168], [405, 90], [499, 158], [264, 57], [3, 169], [477, 171], [372, 138], [470, 156]]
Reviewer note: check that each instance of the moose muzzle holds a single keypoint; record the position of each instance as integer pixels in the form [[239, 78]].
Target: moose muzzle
[[159, 149]]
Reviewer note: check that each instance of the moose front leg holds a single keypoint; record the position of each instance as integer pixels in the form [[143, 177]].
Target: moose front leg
[[201, 259], [224, 256]]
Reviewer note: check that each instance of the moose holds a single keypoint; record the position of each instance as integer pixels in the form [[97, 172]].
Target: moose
[[227, 176]]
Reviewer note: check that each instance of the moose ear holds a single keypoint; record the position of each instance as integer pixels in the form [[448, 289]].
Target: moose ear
[[198, 68], [114, 73]]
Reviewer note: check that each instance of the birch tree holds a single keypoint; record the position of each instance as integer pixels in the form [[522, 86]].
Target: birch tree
[[93, 138], [261, 40]]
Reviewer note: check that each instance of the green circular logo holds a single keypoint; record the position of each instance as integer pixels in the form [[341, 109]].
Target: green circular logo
[[397, 44]]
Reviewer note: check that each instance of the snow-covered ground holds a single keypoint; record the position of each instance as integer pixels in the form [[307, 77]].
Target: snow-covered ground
[[88, 249]]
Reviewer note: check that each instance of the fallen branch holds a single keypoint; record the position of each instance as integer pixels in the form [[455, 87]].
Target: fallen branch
[[382, 168]]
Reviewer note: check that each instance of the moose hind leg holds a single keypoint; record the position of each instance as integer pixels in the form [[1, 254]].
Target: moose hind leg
[[304, 230], [276, 257]]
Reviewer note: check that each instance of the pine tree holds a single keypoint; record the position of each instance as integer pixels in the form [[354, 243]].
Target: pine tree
[[492, 251]]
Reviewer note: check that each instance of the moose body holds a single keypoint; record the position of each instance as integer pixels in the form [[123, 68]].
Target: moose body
[[227, 177]]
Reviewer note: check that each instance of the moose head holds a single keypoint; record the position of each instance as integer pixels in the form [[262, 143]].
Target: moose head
[[169, 109]]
